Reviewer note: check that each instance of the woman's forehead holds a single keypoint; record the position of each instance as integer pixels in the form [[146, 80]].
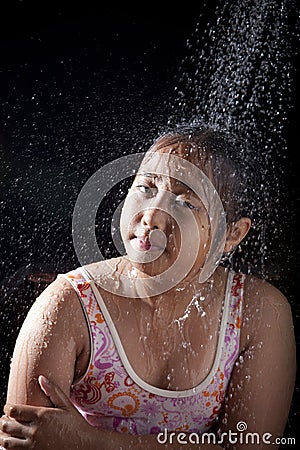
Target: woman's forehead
[[166, 160], [176, 184], [181, 150], [173, 146], [197, 153], [169, 167]]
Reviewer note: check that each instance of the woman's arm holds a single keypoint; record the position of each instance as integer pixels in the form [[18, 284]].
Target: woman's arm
[[52, 340], [263, 380], [259, 393], [46, 345], [59, 427], [40, 415]]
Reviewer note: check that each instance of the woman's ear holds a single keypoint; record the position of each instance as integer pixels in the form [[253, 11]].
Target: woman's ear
[[236, 233]]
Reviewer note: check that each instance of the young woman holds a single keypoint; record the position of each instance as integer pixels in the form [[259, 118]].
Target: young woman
[[164, 344]]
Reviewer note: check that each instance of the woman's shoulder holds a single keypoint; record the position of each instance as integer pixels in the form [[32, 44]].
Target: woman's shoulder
[[259, 292], [58, 304], [103, 268], [60, 297], [266, 309], [61, 292]]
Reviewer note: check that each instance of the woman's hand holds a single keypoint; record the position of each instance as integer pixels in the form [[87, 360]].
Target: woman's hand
[[35, 427]]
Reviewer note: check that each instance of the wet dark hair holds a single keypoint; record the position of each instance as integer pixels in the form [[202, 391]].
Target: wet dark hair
[[224, 160]]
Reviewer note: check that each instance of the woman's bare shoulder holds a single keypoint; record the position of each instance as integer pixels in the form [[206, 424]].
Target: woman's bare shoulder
[[59, 303], [60, 286], [259, 293], [266, 309], [103, 268], [50, 332], [59, 293]]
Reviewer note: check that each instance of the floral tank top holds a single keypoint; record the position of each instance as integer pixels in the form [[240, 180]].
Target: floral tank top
[[111, 395]]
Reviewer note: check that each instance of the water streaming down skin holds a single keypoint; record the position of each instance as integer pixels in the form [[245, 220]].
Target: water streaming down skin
[[165, 322], [243, 85], [239, 76], [194, 303], [33, 343]]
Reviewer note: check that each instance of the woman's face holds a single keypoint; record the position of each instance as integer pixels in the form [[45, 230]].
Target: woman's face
[[163, 219]]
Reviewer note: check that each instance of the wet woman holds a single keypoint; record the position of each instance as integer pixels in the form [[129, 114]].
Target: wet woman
[[165, 344]]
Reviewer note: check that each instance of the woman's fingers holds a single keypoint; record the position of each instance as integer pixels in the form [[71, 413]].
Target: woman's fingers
[[3, 438], [22, 413], [13, 443], [14, 428], [56, 395], [14, 435]]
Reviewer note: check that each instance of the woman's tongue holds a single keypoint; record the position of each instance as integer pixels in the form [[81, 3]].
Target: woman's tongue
[[144, 242]]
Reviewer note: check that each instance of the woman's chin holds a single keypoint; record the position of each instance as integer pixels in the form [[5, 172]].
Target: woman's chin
[[141, 254], [148, 263]]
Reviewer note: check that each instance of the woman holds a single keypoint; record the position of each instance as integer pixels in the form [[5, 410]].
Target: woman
[[163, 344]]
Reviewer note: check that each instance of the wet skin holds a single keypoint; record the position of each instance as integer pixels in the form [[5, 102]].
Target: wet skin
[[161, 357]]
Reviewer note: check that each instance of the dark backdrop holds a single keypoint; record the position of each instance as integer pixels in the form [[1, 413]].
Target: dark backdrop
[[81, 84]]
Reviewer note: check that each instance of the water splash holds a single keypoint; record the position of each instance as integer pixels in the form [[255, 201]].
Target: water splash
[[239, 75], [194, 303]]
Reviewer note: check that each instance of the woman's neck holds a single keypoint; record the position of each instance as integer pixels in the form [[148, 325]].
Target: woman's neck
[[187, 290]]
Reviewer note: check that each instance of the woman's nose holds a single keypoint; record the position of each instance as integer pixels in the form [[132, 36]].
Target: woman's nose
[[154, 218]]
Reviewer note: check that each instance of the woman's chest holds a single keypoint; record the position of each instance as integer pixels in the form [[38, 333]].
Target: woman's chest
[[174, 353]]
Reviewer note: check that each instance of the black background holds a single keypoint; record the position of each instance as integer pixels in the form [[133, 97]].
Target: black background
[[81, 84]]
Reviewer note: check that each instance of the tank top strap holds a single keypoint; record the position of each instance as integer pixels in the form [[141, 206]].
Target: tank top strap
[[81, 283], [236, 302], [231, 339]]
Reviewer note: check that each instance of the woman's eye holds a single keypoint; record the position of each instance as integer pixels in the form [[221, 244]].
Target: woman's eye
[[185, 203], [144, 189]]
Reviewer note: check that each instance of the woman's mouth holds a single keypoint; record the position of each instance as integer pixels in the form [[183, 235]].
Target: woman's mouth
[[146, 243], [143, 243]]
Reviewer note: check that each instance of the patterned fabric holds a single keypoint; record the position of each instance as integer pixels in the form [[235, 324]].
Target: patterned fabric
[[111, 399]]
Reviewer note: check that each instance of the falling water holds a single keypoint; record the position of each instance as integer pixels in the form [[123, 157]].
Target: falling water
[[239, 75]]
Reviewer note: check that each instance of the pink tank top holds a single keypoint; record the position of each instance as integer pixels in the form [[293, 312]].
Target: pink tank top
[[112, 396]]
